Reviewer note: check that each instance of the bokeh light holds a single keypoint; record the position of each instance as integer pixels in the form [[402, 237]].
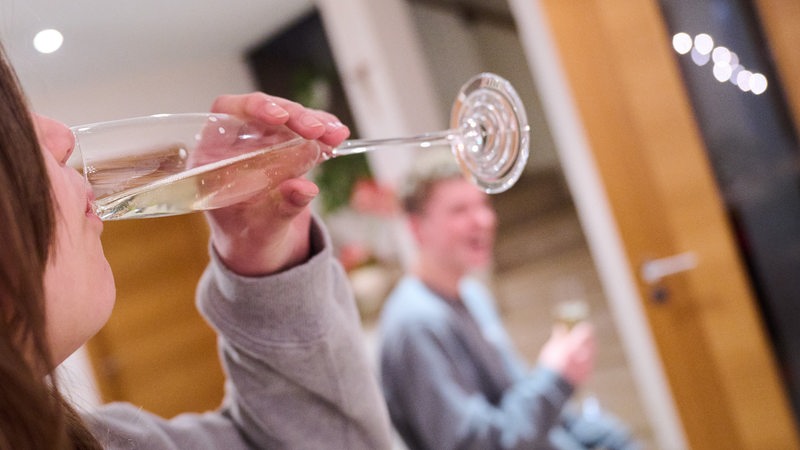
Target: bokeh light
[[682, 43], [703, 43], [726, 66]]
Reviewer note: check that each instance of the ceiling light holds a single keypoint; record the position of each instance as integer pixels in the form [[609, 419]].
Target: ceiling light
[[48, 41]]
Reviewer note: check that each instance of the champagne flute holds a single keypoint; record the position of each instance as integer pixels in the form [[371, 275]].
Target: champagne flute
[[570, 309], [571, 312], [171, 164]]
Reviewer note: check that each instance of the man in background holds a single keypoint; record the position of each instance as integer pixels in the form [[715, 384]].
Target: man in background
[[448, 369]]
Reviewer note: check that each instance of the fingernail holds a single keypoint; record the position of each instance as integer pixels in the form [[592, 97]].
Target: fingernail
[[311, 121], [301, 198], [276, 111], [335, 125]]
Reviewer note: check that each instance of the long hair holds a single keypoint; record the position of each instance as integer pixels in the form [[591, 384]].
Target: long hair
[[33, 414]]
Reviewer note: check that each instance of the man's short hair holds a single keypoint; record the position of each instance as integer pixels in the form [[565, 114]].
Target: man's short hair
[[429, 167]]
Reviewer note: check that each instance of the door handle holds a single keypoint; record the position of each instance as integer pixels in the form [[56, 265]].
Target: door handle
[[654, 270]]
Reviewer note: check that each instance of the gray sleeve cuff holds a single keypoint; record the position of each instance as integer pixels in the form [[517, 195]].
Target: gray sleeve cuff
[[561, 389], [292, 306]]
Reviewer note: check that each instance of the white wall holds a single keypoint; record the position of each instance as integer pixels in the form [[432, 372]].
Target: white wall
[[389, 87], [456, 50]]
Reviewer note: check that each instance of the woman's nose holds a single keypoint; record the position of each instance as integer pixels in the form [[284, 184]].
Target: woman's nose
[[55, 137]]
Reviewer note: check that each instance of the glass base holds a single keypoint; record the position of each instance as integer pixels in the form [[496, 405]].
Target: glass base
[[494, 146]]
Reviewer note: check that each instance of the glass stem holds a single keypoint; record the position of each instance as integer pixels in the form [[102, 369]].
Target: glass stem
[[354, 146]]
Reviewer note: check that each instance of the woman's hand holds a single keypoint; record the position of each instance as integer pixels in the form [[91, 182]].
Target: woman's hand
[[270, 231]]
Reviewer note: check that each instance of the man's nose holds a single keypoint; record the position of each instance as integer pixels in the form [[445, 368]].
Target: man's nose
[[486, 217]]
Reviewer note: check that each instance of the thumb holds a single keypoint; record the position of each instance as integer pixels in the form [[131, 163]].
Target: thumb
[[296, 194]]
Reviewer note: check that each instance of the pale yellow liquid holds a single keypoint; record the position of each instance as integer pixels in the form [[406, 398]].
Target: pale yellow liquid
[[166, 188], [571, 312]]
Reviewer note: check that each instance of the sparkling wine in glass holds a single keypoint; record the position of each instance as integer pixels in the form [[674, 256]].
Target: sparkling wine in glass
[[171, 164], [571, 308], [571, 312]]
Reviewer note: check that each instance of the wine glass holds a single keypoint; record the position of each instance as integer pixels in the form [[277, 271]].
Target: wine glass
[[571, 312], [171, 164], [571, 308]]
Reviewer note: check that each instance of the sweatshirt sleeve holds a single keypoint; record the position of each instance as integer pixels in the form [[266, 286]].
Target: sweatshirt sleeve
[[295, 362], [433, 385], [436, 410]]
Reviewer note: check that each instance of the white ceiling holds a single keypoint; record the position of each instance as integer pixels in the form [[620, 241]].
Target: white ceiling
[[103, 37]]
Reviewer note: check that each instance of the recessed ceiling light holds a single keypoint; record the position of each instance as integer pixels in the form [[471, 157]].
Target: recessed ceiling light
[[48, 41]]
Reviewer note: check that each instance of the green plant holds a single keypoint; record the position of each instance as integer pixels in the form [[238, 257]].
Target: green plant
[[336, 178]]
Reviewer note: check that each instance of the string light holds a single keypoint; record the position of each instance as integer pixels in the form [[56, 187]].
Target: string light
[[682, 43], [703, 43], [758, 83], [726, 65]]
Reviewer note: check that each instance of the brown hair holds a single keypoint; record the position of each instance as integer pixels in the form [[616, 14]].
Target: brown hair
[[428, 169], [33, 414]]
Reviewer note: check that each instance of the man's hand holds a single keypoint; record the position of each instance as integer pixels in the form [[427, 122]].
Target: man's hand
[[571, 353]]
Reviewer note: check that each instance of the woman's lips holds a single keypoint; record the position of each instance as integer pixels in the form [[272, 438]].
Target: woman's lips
[[90, 209]]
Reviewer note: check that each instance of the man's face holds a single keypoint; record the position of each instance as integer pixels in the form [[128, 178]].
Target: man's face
[[456, 228]]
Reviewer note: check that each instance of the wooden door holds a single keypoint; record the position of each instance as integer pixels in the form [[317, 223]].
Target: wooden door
[[629, 95], [156, 351]]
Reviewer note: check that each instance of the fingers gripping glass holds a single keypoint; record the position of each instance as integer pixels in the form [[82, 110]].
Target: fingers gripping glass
[[176, 163]]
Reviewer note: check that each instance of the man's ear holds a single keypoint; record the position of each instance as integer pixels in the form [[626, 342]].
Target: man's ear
[[414, 226]]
